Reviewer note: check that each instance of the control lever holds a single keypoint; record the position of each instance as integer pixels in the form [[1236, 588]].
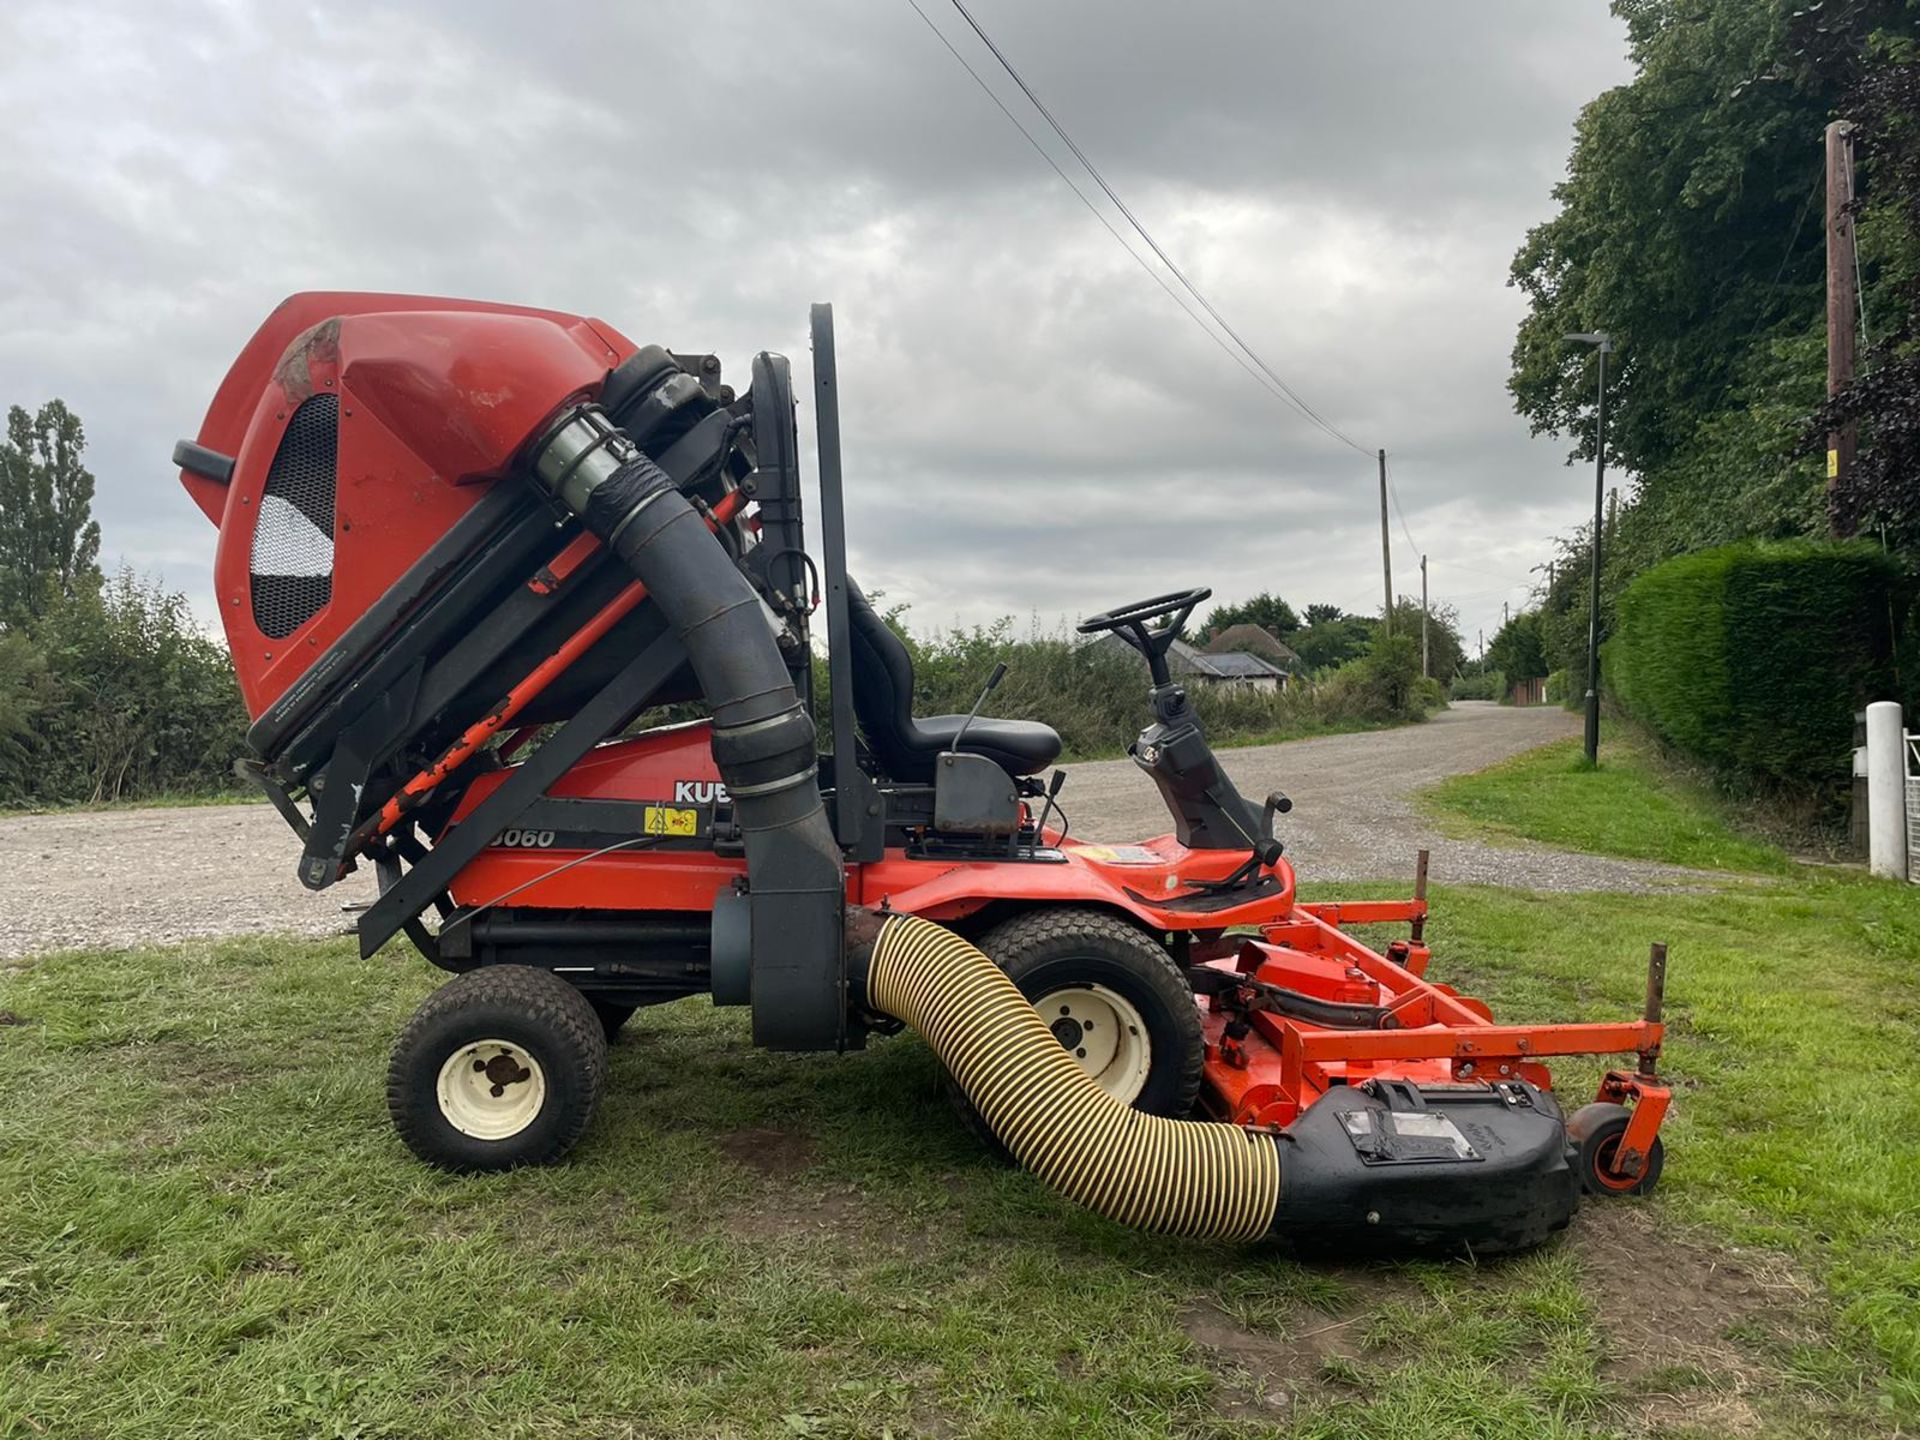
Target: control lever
[[1266, 847], [1054, 787], [993, 683]]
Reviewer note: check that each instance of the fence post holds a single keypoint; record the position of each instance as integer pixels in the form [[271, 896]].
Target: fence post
[[1886, 791]]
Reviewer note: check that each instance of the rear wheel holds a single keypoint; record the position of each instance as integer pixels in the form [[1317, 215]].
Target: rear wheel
[[1112, 997], [499, 1067]]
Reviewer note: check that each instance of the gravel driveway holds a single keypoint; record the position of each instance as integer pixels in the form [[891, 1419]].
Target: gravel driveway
[[1353, 814], [132, 877]]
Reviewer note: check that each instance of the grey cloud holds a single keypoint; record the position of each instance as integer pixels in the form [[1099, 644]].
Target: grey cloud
[[1031, 426]]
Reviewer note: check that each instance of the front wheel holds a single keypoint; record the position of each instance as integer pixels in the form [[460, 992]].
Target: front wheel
[[500, 1067], [1114, 1000], [1595, 1131]]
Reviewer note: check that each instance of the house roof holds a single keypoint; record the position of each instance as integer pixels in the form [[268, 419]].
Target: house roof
[[1238, 665], [1253, 640], [1183, 659]]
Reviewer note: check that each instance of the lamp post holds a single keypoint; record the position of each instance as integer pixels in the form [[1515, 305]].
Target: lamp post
[[1603, 343]]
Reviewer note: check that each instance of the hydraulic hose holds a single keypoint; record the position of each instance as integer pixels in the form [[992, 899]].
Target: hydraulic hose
[[763, 738], [1181, 1177]]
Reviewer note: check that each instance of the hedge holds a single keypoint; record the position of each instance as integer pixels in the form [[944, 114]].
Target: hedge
[[1754, 657]]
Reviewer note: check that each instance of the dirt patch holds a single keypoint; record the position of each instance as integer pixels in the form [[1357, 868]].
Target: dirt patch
[[777, 1154], [7, 1017], [1266, 1375], [1668, 1301], [1696, 1412], [827, 1215]]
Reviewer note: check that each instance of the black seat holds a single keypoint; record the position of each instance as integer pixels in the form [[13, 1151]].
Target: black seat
[[906, 746]]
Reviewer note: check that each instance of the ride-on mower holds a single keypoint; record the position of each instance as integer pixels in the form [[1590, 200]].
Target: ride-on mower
[[449, 530]]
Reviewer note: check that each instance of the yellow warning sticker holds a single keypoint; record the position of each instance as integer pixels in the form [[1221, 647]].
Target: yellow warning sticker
[[665, 820], [1833, 464], [1119, 854]]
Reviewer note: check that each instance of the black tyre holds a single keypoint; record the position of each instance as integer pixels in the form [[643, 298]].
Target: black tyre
[[1113, 997], [498, 1068], [612, 1015], [1596, 1130]]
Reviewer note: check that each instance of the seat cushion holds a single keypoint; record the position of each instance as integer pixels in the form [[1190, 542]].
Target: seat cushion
[[1020, 747]]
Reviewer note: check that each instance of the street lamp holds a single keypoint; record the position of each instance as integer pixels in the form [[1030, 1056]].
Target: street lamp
[[1602, 342]]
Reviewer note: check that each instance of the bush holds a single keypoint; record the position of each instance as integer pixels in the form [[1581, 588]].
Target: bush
[[1383, 685], [1753, 658], [1096, 695], [116, 695], [1561, 690], [1487, 685]]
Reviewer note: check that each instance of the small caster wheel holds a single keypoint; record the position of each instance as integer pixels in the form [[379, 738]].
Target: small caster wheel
[[1596, 1130], [499, 1067]]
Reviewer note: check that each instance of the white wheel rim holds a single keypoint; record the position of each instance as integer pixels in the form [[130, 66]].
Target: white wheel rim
[[491, 1089], [1103, 1030]]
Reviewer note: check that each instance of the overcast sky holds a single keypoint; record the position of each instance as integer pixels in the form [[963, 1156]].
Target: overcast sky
[[1032, 427]]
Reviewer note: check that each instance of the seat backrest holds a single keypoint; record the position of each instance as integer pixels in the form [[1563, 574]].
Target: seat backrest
[[882, 683]]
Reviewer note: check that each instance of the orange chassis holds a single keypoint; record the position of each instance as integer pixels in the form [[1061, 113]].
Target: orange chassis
[[1277, 955]]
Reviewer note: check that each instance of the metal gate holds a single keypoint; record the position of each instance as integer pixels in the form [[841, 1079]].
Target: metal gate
[[1912, 750]]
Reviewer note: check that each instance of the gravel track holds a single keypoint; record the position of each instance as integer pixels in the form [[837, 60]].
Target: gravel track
[[1354, 816], [132, 877]]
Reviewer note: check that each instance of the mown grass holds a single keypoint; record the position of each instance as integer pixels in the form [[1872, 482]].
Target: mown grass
[[211, 1230], [1793, 1001], [1631, 805]]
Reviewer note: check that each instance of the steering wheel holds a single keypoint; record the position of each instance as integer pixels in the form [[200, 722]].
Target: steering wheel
[[1129, 622]]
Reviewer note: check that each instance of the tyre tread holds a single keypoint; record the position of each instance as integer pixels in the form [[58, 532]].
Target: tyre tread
[[538, 994], [1034, 937]]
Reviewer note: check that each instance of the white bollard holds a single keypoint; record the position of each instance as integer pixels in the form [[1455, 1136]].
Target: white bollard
[[1886, 791]]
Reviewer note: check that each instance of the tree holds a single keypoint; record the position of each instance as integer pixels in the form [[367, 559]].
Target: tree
[[1332, 639], [1269, 612], [1689, 228], [1883, 491], [1517, 651], [49, 541], [1446, 651]]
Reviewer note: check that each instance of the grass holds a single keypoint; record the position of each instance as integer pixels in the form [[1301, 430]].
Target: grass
[[211, 1229], [1632, 805]]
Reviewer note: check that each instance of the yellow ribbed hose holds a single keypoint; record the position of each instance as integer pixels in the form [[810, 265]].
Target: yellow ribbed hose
[[1183, 1177]]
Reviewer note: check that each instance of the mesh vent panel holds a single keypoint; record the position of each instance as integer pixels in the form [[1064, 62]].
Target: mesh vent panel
[[292, 559]]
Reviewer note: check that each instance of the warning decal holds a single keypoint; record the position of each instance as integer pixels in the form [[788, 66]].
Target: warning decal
[[668, 820]]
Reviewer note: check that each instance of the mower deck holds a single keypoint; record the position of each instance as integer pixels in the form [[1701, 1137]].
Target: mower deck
[[1308, 1010]]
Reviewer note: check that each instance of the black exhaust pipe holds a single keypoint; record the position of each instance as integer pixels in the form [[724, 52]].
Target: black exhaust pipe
[[763, 738]]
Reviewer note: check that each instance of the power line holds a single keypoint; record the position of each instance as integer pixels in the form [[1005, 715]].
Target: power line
[[1405, 529], [1286, 391], [1094, 210]]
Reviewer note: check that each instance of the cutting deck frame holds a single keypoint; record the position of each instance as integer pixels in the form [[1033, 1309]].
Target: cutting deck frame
[[449, 529]]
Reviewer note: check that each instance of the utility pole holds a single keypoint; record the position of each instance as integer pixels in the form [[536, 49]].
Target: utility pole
[[1483, 647], [1841, 302], [1386, 549], [1426, 667], [1613, 515], [1603, 343]]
